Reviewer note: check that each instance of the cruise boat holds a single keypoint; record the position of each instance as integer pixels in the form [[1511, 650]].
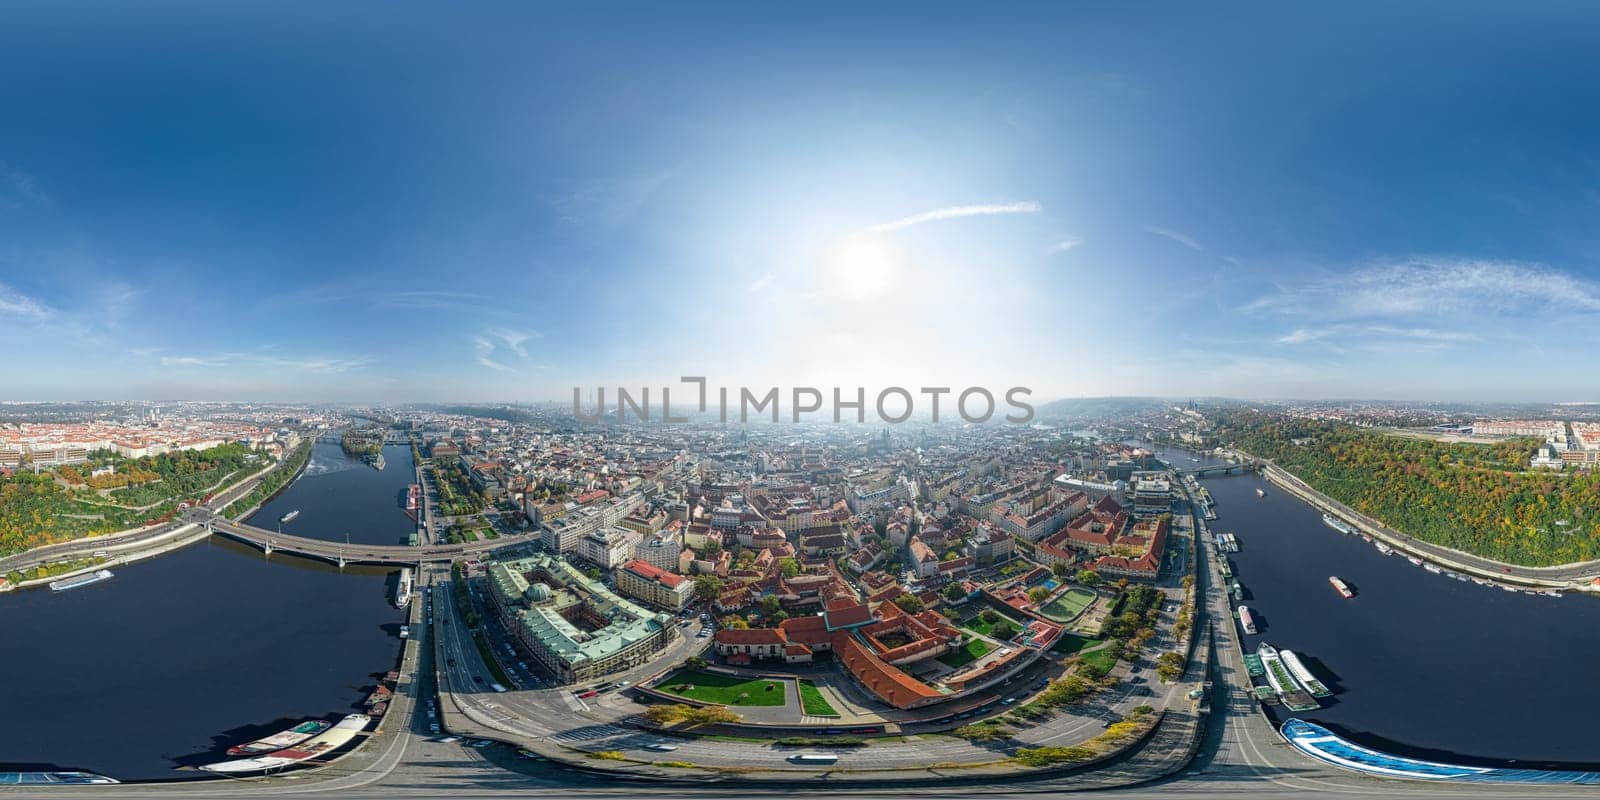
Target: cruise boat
[[281, 739], [1337, 524], [402, 592], [81, 580], [1341, 587], [1293, 695], [289, 517], [322, 744], [1247, 621], [1302, 674]]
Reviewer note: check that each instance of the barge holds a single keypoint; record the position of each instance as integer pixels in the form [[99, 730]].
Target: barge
[[81, 580], [281, 739], [322, 744]]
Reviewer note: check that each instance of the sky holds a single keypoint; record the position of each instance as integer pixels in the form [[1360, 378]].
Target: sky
[[504, 202]]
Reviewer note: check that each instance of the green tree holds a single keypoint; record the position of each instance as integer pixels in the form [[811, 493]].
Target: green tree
[[1088, 577], [909, 603], [707, 587], [788, 567]]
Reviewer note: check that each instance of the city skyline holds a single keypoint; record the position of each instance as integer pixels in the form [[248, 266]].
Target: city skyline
[[1381, 204]]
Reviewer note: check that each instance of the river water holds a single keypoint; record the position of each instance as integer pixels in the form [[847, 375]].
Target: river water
[[182, 655], [1421, 664]]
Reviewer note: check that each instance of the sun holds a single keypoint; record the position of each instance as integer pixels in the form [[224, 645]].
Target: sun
[[863, 268]]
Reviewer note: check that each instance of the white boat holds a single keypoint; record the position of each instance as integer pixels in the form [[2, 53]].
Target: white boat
[[1247, 621], [402, 592], [81, 580], [1433, 568], [1302, 674], [1383, 548], [1260, 493], [289, 517], [326, 742], [1337, 524], [1415, 562]]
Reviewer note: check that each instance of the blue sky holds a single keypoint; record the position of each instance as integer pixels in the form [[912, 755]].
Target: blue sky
[[1083, 198]]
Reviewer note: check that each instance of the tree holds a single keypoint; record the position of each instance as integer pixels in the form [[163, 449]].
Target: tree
[[771, 604], [1088, 577], [909, 603], [707, 587], [738, 624], [1038, 594], [696, 662], [788, 567], [1061, 570], [989, 615], [954, 593]]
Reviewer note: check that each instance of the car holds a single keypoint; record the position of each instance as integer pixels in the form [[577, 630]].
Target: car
[[529, 754], [660, 747], [477, 679], [1008, 701], [448, 739], [434, 727], [450, 661], [588, 694], [964, 715], [482, 743], [624, 684], [1108, 723]]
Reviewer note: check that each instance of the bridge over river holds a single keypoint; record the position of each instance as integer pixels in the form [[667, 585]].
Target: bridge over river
[[343, 553]]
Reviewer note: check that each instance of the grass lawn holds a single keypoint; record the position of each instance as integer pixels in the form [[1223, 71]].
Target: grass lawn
[[971, 650], [979, 625], [1069, 605], [1071, 643], [729, 690], [1103, 657], [813, 702]]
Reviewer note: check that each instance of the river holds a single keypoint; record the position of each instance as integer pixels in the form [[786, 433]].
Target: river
[[184, 654], [1421, 664]]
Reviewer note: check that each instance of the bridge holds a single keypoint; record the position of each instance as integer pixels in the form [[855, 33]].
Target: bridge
[[343, 553], [1222, 469]]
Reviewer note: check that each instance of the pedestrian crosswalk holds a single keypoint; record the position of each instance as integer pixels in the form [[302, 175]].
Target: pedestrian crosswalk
[[587, 733]]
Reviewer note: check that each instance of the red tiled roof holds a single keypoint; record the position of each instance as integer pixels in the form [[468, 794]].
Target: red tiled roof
[[651, 572], [752, 636]]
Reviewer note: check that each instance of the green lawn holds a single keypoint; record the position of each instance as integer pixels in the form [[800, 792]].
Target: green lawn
[[1071, 643], [1104, 657], [979, 625], [729, 690], [971, 650], [1068, 606], [813, 702]]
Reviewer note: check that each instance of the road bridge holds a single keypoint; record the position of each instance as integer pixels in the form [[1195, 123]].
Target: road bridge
[[1222, 469], [343, 553]]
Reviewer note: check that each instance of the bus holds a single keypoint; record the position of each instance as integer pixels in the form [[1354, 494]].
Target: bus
[[813, 758]]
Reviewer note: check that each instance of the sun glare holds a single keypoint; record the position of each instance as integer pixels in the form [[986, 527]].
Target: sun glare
[[864, 268]]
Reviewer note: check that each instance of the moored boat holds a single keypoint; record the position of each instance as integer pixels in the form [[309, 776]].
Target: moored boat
[[1341, 587], [1337, 524], [1247, 620], [402, 592], [326, 742], [281, 739], [1303, 674], [81, 580]]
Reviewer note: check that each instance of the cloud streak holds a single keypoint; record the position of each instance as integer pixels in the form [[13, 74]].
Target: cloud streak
[[957, 212], [1176, 236], [1064, 245], [16, 304], [1433, 288], [331, 365]]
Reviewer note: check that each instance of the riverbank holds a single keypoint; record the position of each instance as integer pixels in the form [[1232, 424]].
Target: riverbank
[[1559, 577]]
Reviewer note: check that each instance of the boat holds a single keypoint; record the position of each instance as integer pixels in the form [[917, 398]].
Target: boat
[[402, 592], [81, 580], [1337, 524], [281, 739], [1384, 549], [289, 517], [1303, 675], [1260, 493], [1511, 589], [1236, 589], [1247, 621], [1433, 568], [1341, 587], [1294, 697], [1415, 562], [374, 460], [322, 744]]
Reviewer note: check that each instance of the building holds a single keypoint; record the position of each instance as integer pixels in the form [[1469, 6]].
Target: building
[[1152, 494], [646, 582], [608, 548], [659, 551], [573, 626], [1546, 429]]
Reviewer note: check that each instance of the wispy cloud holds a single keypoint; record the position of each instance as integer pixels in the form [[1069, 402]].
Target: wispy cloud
[[18, 188], [1064, 245], [1176, 236], [1434, 287], [514, 339], [310, 363], [16, 304], [954, 212], [485, 350], [1391, 332], [760, 283]]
